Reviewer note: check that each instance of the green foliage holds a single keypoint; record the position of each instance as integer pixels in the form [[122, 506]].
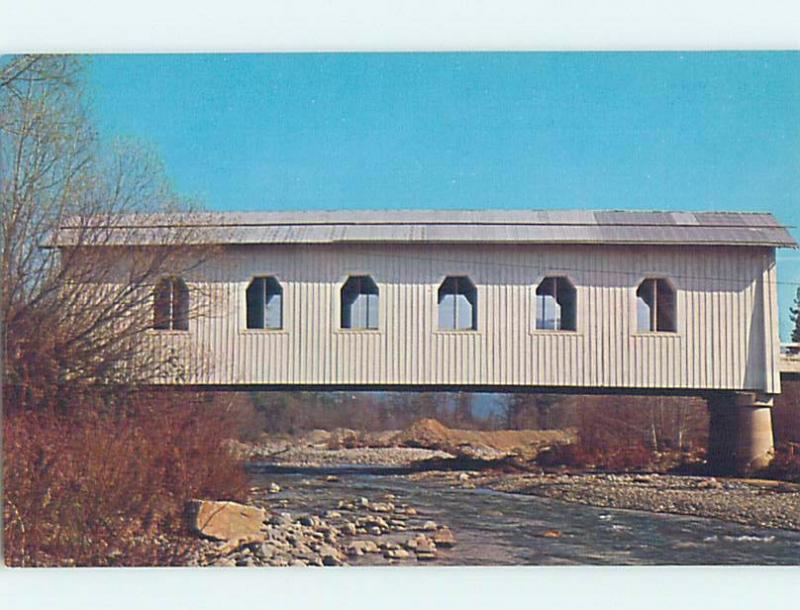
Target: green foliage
[[794, 312]]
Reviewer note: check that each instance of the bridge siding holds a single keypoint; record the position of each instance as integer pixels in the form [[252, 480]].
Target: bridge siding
[[726, 339]]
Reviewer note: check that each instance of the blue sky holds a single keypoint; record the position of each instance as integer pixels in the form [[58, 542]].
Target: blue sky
[[671, 131]]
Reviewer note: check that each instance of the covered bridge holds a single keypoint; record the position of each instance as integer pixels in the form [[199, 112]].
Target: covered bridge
[[515, 300]]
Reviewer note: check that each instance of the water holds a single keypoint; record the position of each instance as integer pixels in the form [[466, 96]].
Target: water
[[494, 528]]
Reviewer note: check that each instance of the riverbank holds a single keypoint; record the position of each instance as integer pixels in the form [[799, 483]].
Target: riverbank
[[317, 457], [378, 519], [333, 529], [434, 457], [754, 502]]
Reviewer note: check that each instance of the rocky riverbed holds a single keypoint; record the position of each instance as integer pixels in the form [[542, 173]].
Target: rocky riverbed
[[755, 502], [319, 503], [315, 457], [358, 518], [358, 530]]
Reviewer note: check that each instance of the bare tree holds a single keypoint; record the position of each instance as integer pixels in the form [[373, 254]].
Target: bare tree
[[462, 415], [75, 304]]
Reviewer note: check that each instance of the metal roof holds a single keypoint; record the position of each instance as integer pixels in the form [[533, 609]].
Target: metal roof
[[434, 226]]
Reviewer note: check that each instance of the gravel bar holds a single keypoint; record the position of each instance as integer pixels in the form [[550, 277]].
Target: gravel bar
[[756, 502]]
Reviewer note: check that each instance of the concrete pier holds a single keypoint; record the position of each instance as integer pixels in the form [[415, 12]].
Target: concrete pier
[[740, 439]]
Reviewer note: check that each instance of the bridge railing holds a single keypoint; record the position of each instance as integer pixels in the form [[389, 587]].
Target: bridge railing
[[790, 350], [790, 359]]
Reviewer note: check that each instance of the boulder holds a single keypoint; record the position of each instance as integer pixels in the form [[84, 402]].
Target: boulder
[[225, 521]]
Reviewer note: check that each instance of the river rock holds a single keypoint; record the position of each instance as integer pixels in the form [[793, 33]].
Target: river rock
[[444, 537], [425, 545], [225, 521], [373, 520], [331, 560], [307, 521], [265, 551], [380, 507], [281, 520], [429, 526], [710, 483], [397, 554], [274, 488], [359, 547], [348, 529]]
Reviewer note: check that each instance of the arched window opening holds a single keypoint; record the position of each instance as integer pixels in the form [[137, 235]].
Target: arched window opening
[[655, 306], [171, 304], [264, 303], [359, 303], [556, 304], [458, 304]]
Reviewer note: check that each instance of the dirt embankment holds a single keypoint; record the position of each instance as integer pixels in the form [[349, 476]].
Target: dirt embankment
[[425, 439], [493, 444]]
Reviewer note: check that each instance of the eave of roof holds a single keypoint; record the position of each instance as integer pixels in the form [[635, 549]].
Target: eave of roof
[[438, 226]]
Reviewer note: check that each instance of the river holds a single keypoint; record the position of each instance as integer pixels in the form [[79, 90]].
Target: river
[[495, 528]]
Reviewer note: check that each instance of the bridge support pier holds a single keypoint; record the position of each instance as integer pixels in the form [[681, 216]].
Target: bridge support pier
[[740, 438]]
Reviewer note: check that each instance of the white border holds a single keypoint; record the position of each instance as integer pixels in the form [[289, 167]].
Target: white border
[[371, 25], [374, 25]]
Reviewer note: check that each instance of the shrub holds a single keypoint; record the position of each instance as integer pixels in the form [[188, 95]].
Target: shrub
[[786, 465], [612, 457], [94, 487]]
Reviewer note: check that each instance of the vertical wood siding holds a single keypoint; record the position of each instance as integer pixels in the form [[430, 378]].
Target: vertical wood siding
[[727, 328]]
